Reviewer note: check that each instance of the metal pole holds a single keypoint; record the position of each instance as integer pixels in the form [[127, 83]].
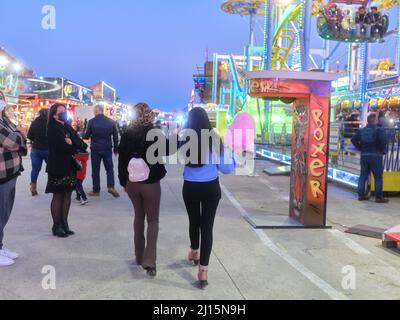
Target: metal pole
[[364, 72], [306, 33], [268, 35], [252, 27], [398, 40], [215, 81], [351, 67], [267, 56], [326, 50]]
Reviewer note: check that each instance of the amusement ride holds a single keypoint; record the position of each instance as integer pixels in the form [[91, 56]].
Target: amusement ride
[[344, 37]]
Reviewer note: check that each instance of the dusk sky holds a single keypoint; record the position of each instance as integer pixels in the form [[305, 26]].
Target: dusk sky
[[148, 50]]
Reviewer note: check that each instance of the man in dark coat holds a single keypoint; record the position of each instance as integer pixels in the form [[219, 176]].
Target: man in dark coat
[[103, 133], [371, 141]]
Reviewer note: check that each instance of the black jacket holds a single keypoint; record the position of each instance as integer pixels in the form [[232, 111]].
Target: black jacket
[[100, 130], [134, 144], [370, 140], [60, 162], [374, 18], [362, 18], [37, 133]]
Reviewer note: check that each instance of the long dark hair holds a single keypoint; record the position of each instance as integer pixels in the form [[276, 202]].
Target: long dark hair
[[44, 114], [53, 111], [197, 121]]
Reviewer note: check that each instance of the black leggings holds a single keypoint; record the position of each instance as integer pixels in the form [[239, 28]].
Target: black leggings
[[60, 206], [201, 200]]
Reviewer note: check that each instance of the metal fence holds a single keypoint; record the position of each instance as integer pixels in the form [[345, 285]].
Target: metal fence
[[392, 158]]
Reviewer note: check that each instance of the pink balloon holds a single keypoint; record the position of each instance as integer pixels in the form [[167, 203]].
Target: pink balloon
[[241, 134]]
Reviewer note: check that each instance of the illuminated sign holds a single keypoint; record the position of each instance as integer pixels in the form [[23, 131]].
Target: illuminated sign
[[77, 92], [104, 92], [278, 88], [383, 83]]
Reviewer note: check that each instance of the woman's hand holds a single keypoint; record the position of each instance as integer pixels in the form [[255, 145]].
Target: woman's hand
[[68, 141]]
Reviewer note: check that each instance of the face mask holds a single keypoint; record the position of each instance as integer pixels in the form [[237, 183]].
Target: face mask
[[63, 116], [3, 105]]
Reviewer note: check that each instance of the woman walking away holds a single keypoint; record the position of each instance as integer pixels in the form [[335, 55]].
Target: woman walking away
[[61, 168], [12, 143], [37, 134], [201, 189], [142, 183]]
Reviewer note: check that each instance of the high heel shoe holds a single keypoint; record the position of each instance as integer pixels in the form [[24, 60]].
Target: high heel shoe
[[194, 256], [203, 276], [151, 271], [66, 228], [58, 231]]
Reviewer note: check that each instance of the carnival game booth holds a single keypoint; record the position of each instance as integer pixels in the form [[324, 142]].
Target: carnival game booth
[[309, 94], [383, 97]]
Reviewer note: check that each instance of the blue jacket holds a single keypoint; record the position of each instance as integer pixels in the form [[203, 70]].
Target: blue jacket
[[103, 134], [370, 140], [210, 171]]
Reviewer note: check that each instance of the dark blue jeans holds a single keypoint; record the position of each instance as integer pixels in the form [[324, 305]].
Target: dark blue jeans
[[107, 158], [374, 164], [37, 158], [80, 192]]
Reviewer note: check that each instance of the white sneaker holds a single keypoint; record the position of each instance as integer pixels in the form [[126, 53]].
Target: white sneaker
[[5, 262], [9, 254], [84, 202]]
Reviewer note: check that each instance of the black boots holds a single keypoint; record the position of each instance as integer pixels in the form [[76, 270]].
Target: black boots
[[62, 230], [58, 231], [66, 228]]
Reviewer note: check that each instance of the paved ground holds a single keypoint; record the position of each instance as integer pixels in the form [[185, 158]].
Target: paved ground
[[97, 263]]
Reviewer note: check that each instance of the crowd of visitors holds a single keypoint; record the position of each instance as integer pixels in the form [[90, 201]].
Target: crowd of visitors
[[55, 142]]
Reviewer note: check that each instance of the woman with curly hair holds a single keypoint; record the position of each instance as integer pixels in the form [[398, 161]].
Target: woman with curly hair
[[141, 179]]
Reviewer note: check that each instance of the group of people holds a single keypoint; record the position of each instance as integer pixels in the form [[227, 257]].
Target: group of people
[[55, 142], [369, 24]]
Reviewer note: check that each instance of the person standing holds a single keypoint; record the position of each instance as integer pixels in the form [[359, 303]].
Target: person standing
[[12, 143], [371, 141], [37, 134], [202, 191], [61, 167], [103, 133], [144, 193]]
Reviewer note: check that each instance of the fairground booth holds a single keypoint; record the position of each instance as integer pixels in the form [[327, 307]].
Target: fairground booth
[[38, 93], [10, 72], [309, 95], [105, 95]]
